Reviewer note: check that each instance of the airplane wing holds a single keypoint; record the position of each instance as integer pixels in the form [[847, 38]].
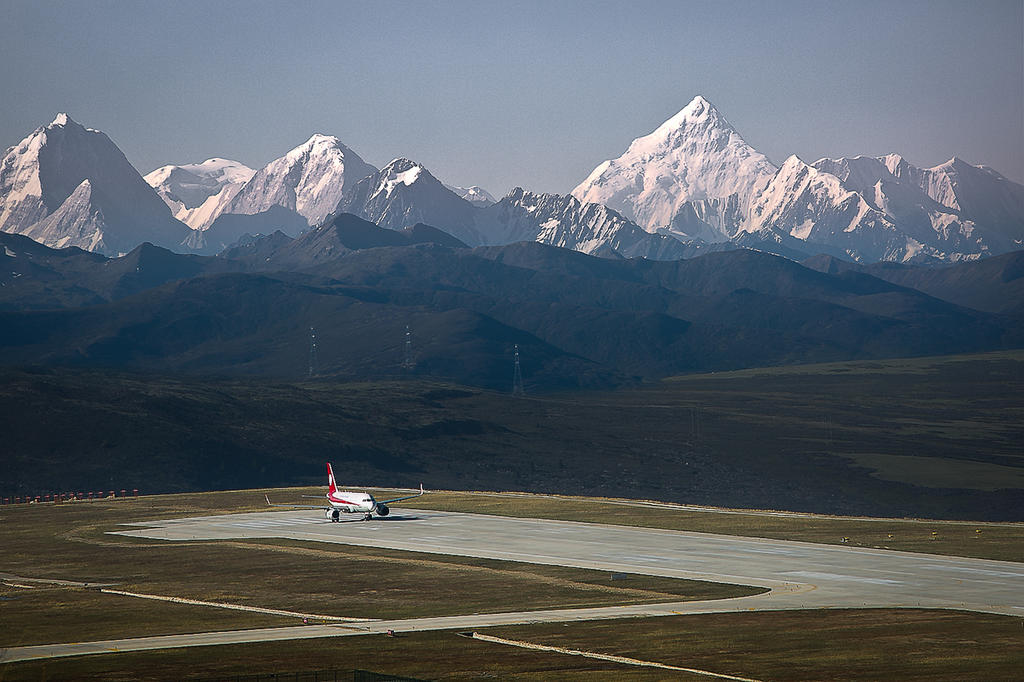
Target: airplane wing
[[407, 497], [298, 506]]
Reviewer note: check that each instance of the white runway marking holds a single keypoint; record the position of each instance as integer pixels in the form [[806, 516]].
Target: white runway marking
[[813, 575], [268, 523]]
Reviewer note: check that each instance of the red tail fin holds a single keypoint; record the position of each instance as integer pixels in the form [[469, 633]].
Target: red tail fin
[[331, 485]]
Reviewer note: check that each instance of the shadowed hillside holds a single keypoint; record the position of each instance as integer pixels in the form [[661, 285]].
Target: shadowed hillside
[[935, 437], [580, 321]]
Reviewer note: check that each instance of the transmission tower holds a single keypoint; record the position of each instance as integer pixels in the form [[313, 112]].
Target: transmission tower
[[314, 360], [517, 375], [408, 364]]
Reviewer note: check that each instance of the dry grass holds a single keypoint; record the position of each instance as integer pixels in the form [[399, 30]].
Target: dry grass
[[790, 645]]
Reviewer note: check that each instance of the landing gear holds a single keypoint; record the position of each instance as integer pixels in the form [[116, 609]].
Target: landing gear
[[368, 516]]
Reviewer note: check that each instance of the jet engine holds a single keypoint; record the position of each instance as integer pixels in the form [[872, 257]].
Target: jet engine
[[382, 510], [332, 514]]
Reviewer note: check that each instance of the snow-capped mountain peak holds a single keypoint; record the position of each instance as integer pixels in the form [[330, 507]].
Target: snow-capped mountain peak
[[894, 163], [694, 156], [230, 171], [318, 144], [699, 106], [398, 172], [309, 180], [474, 194], [404, 193], [69, 185], [192, 183], [698, 114], [197, 192], [63, 120]]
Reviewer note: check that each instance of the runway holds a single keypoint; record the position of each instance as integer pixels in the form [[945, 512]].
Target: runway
[[799, 575]]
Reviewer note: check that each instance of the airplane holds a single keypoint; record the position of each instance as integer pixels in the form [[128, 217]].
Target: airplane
[[348, 502]]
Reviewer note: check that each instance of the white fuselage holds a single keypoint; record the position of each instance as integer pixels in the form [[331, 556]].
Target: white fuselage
[[351, 502]]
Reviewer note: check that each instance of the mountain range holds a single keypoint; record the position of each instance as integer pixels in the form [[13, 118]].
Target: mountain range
[[578, 320], [692, 186], [695, 177]]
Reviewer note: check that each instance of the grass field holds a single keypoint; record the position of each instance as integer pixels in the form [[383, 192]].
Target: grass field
[[864, 645]]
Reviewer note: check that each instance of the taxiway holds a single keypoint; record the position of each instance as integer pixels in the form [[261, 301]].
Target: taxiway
[[799, 575]]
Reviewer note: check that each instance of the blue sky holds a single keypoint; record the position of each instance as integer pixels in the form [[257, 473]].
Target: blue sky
[[518, 93]]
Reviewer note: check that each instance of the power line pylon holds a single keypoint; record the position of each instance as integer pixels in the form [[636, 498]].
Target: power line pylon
[[408, 364], [314, 359], [517, 375]]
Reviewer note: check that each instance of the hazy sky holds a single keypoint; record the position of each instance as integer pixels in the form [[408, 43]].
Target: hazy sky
[[518, 93]]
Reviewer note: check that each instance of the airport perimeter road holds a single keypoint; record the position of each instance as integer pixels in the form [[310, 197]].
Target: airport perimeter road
[[800, 574]]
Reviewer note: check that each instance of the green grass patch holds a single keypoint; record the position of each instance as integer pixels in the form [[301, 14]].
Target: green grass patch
[[942, 473]]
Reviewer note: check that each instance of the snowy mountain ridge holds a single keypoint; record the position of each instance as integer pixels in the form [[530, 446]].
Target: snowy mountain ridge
[[691, 183], [405, 193], [884, 208], [695, 178], [68, 185], [567, 222]]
